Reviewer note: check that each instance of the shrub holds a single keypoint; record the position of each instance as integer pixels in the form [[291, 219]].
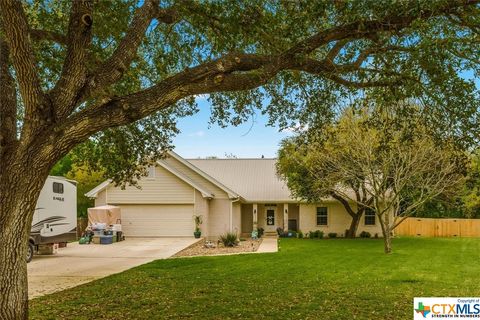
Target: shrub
[[332, 235], [229, 239], [260, 232], [279, 231], [286, 234], [365, 234], [319, 234], [300, 235], [311, 234]]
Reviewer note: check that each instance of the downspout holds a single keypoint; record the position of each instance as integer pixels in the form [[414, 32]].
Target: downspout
[[231, 212]]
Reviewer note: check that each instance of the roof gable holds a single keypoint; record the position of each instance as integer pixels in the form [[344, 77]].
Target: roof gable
[[255, 180], [190, 167], [204, 191]]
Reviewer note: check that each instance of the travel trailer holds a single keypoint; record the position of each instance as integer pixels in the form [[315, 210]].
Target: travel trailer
[[55, 218]]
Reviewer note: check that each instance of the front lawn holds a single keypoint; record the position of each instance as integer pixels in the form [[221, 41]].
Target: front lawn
[[307, 279]]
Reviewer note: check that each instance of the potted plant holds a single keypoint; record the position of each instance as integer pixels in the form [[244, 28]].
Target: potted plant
[[198, 221], [255, 231]]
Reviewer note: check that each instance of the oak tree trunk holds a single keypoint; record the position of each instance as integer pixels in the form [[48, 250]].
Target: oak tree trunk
[[20, 186], [13, 269]]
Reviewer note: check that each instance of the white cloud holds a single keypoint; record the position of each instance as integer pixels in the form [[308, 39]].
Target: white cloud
[[296, 128], [201, 97], [199, 133]]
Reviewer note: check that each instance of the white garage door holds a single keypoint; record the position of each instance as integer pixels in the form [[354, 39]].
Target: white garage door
[[157, 220]]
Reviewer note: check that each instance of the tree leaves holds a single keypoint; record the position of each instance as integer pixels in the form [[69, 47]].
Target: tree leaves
[[427, 62]]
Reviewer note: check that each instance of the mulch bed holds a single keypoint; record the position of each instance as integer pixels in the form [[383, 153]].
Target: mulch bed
[[199, 248]]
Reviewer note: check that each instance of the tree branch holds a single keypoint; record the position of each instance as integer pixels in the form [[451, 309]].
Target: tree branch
[[230, 73], [16, 30], [345, 204], [364, 29], [167, 16], [364, 84], [8, 100], [114, 67], [462, 20], [333, 53], [74, 72], [39, 35]]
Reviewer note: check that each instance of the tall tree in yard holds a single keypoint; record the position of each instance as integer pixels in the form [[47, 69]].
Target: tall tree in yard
[[119, 72], [321, 180], [373, 159], [86, 181]]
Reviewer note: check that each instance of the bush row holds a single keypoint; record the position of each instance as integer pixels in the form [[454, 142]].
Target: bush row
[[318, 234]]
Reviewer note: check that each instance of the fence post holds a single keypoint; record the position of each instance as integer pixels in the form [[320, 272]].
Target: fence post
[[81, 225]]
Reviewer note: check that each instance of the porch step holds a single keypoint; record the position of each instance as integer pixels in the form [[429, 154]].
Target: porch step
[[270, 234]]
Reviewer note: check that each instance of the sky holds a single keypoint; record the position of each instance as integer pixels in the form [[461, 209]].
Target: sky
[[249, 140], [252, 139]]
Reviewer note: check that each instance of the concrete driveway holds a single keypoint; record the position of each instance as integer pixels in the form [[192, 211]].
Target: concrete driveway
[[79, 264]]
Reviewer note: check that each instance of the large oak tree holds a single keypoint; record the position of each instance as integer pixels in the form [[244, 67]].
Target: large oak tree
[[115, 74]]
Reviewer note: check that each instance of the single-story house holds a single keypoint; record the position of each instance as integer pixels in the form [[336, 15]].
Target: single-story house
[[230, 195]]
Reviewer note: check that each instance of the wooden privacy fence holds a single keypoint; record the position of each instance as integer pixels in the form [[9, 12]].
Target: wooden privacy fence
[[427, 227]]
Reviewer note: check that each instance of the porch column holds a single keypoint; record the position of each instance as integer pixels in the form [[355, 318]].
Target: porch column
[[255, 216], [285, 217]]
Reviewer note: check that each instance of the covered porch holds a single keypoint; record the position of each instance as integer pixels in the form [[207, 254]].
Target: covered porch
[[269, 216]]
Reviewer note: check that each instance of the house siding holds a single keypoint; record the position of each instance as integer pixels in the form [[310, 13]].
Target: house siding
[[164, 188], [338, 220], [101, 198], [218, 217], [237, 217], [195, 177], [201, 208]]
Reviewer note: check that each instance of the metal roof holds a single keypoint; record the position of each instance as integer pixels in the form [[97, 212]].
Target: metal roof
[[205, 175], [252, 179]]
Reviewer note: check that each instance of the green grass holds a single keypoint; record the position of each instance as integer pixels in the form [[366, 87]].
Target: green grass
[[307, 279]]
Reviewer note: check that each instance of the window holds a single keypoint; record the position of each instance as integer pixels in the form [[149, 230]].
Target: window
[[369, 217], [151, 172], [57, 187], [322, 216]]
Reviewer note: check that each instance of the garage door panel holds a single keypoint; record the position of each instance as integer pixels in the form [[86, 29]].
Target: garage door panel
[[157, 220]]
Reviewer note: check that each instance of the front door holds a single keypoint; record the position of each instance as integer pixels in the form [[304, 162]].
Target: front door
[[270, 225], [292, 224]]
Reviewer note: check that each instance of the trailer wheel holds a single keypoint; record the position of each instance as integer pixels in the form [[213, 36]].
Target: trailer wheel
[[30, 252]]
